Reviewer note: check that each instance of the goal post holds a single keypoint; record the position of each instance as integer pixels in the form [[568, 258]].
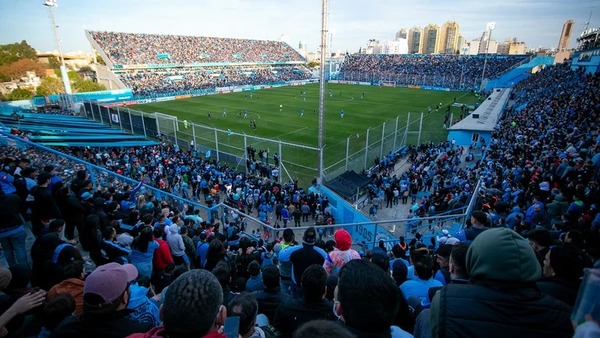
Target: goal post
[[387, 83]]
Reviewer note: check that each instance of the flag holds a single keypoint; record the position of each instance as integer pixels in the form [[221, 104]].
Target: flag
[[207, 155]]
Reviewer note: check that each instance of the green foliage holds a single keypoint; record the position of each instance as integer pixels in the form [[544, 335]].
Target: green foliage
[[99, 60], [73, 76], [82, 86], [16, 51], [49, 86], [19, 94], [313, 64], [54, 63]]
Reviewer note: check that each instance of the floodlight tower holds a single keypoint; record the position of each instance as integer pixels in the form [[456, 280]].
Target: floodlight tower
[[322, 89], [51, 4], [490, 27]]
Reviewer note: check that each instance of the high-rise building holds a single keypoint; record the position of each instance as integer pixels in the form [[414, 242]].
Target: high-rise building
[[565, 36], [373, 47], [511, 47], [415, 40], [486, 45], [448, 41], [398, 46], [402, 34], [431, 36], [473, 47], [460, 46]]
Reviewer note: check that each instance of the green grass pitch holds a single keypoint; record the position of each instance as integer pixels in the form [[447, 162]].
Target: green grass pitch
[[278, 115]]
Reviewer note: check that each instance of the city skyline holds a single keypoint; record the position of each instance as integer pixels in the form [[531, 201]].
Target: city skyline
[[351, 22]]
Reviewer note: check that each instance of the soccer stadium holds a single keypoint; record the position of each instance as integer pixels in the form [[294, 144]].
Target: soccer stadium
[[225, 187]]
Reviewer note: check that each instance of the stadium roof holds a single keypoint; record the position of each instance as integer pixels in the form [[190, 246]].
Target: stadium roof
[[486, 116]]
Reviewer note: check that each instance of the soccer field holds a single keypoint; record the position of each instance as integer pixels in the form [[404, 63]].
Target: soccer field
[[286, 114]]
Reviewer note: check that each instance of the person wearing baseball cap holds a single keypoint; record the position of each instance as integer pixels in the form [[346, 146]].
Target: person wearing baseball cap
[[105, 298]]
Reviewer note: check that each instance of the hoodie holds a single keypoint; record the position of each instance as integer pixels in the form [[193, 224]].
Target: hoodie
[[557, 207], [72, 286], [501, 254], [143, 310], [502, 295]]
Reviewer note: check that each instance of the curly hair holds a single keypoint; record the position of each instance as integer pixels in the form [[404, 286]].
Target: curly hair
[[192, 303]]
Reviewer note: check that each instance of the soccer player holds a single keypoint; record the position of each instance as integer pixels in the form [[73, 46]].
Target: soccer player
[[301, 112], [245, 114], [280, 107], [209, 115], [342, 113], [224, 114]]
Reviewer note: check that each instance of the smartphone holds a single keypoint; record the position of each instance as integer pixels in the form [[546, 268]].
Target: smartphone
[[231, 327]]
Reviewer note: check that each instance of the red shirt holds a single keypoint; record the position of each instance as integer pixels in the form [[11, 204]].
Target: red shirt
[[162, 255]]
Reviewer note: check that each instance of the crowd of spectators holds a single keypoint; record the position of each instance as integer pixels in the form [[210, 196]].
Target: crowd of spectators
[[448, 71], [537, 212], [436, 181], [142, 49], [164, 81]]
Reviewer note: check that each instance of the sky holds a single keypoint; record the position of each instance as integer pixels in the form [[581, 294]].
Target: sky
[[351, 22]]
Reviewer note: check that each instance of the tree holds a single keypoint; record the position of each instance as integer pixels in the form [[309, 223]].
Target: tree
[[19, 94], [313, 64], [16, 51], [85, 69], [99, 60], [82, 86], [49, 86], [54, 63], [73, 76]]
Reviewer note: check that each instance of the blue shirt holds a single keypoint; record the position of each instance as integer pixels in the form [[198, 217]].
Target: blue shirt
[[255, 283], [419, 288]]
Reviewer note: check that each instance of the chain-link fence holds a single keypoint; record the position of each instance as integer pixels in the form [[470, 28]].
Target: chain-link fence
[[296, 162], [364, 150]]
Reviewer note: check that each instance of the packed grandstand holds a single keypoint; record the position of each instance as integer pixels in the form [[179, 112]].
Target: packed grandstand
[[107, 255], [155, 64], [461, 72]]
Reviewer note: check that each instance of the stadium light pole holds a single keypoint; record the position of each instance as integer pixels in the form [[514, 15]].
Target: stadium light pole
[[322, 88], [51, 4], [490, 27]]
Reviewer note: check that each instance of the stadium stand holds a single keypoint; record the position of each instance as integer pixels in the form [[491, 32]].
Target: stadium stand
[[540, 176], [461, 72], [153, 64]]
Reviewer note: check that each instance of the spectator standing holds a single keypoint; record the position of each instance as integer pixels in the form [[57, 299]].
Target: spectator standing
[[301, 257], [12, 230], [270, 298], [366, 300], [502, 293], [313, 305], [142, 252], [341, 254]]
